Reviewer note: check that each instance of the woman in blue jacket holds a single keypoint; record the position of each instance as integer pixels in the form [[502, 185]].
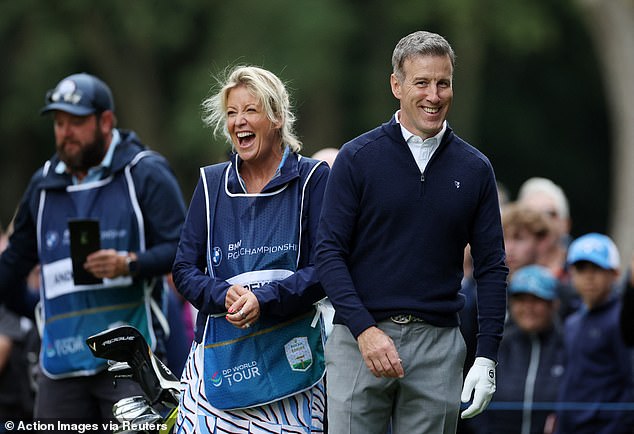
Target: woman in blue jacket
[[245, 261]]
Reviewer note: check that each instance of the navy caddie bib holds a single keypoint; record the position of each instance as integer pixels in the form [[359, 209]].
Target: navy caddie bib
[[254, 239], [71, 313]]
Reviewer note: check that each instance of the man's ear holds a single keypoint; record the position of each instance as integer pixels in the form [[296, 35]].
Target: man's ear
[[396, 86], [107, 121]]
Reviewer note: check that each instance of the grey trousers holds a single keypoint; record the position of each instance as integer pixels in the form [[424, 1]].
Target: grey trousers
[[425, 401]]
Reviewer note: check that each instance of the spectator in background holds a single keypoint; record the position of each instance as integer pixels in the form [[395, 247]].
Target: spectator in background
[[103, 173], [545, 196], [530, 364], [326, 154], [526, 233], [598, 371]]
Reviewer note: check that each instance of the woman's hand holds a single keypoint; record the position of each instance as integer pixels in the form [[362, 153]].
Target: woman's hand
[[242, 306]]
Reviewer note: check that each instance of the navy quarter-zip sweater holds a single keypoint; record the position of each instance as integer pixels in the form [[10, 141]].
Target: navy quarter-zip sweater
[[391, 240]]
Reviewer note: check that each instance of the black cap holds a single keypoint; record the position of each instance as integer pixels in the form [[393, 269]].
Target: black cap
[[79, 94]]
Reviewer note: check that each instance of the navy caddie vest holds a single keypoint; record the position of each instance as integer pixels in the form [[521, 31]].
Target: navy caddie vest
[[254, 239], [71, 313]]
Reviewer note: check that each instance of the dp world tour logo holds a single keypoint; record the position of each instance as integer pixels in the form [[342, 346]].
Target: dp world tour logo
[[298, 354], [50, 350], [216, 379], [216, 256]]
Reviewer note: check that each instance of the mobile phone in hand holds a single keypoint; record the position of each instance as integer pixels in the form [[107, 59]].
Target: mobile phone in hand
[[85, 238]]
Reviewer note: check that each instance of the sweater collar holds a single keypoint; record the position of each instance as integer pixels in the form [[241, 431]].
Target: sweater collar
[[285, 173], [407, 134], [393, 129]]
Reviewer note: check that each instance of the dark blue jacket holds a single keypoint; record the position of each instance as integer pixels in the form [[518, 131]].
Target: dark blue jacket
[[159, 197], [598, 376], [391, 240], [280, 298]]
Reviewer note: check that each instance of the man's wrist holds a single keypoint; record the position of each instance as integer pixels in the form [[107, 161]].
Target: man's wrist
[[132, 264], [485, 361]]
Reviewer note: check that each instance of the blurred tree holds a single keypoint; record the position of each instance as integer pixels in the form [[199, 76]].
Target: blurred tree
[[543, 125], [611, 24], [160, 59], [520, 65]]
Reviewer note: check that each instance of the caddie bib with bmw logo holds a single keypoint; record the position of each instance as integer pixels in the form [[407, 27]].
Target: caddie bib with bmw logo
[[74, 312], [255, 239]]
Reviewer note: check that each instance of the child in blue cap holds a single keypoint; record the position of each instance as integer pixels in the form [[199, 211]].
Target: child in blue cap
[[597, 381]]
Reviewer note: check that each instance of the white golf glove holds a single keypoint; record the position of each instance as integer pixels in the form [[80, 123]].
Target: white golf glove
[[481, 382]]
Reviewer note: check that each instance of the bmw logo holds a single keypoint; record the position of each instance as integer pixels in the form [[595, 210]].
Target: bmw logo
[[52, 239], [216, 256]]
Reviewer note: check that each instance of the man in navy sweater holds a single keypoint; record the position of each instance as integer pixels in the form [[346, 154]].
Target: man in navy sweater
[[402, 202]]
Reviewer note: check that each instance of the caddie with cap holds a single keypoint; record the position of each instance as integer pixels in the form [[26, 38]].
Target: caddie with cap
[[107, 175], [598, 363]]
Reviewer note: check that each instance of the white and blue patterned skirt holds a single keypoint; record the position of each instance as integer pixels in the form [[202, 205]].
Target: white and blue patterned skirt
[[302, 413]]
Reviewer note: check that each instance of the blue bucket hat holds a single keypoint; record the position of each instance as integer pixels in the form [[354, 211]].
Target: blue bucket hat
[[596, 248], [534, 279], [79, 94]]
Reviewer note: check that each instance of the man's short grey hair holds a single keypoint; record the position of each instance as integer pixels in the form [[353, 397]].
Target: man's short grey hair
[[537, 185], [269, 90], [420, 43]]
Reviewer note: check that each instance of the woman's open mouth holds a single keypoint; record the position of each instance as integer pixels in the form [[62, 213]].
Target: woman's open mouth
[[245, 138]]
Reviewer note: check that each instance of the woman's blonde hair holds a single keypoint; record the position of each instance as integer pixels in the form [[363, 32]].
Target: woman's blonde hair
[[265, 86]]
